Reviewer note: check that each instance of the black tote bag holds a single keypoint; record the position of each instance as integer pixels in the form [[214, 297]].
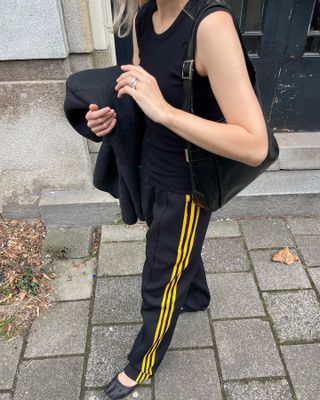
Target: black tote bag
[[217, 179]]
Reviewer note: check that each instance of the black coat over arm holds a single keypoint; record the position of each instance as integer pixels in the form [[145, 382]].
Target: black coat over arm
[[117, 169]]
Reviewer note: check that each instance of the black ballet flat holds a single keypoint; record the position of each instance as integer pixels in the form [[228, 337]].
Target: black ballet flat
[[116, 390]]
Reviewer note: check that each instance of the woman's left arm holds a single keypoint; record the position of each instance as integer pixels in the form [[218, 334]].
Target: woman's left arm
[[244, 136]]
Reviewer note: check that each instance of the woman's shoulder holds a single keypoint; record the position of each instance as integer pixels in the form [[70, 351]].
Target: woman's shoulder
[[206, 7]]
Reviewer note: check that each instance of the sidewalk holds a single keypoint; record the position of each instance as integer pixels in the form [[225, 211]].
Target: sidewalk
[[259, 339]]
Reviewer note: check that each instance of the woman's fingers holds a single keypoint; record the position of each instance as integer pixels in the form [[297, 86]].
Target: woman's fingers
[[102, 127], [136, 70], [95, 122], [93, 114], [107, 130], [126, 77], [100, 121]]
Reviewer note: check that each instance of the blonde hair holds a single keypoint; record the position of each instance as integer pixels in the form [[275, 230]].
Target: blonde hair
[[123, 15]]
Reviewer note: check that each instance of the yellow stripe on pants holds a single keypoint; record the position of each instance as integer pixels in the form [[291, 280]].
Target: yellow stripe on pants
[[170, 287], [188, 248]]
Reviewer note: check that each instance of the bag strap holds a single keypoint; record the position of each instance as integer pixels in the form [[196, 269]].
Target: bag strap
[[188, 67]]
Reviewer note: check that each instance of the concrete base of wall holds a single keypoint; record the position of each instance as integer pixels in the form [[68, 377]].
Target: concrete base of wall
[[39, 148]]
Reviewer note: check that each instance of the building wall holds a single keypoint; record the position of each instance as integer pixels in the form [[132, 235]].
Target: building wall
[[41, 43]]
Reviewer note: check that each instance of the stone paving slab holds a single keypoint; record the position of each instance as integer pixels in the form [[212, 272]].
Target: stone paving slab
[[5, 396], [304, 226], [188, 374], [315, 275], [75, 240], [265, 232], [248, 355], [222, 229], [310, 248], [123, 232], [276, 276], [10, 353], [258, 390], [70, 338], [224, 255], [303, 362], [234, 295], [247, 349], [73, 279], [108, 352], [192, 330], [144, 393], [121, 258], [295, 315], [118, 299], [50, 379]]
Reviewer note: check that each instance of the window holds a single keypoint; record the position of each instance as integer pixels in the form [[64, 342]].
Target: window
[[249, 14], [313, 35]]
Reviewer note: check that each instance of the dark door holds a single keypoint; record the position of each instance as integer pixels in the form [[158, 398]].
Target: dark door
[[296, 101], [282, 39]]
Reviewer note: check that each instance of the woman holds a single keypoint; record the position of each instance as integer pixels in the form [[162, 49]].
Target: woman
[[173, 277]]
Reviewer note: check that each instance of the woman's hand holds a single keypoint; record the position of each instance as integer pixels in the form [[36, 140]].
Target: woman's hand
[[147, 93], [102, 121]]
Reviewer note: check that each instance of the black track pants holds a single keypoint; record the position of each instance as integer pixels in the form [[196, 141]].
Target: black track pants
[[173, 274]]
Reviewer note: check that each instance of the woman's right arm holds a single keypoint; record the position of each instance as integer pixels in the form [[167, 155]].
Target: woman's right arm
[[102, 121]]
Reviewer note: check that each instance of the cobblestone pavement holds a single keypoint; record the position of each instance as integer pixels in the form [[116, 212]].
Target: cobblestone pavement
[[259, 339]]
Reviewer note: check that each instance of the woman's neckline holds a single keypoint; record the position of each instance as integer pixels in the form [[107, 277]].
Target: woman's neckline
[[171, 28]]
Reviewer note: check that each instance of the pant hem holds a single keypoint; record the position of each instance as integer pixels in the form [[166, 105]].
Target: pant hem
[[134, 374]]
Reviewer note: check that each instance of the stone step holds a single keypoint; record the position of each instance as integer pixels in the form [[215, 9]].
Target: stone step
[[276, 193], [273, 193], [298, 150], [68, 208]]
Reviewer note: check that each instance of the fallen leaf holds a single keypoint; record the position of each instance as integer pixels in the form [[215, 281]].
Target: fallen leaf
[[285, 256], [22, 295], [46, 276]]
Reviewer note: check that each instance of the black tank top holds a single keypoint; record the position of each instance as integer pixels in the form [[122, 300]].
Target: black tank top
[[162, 156]]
